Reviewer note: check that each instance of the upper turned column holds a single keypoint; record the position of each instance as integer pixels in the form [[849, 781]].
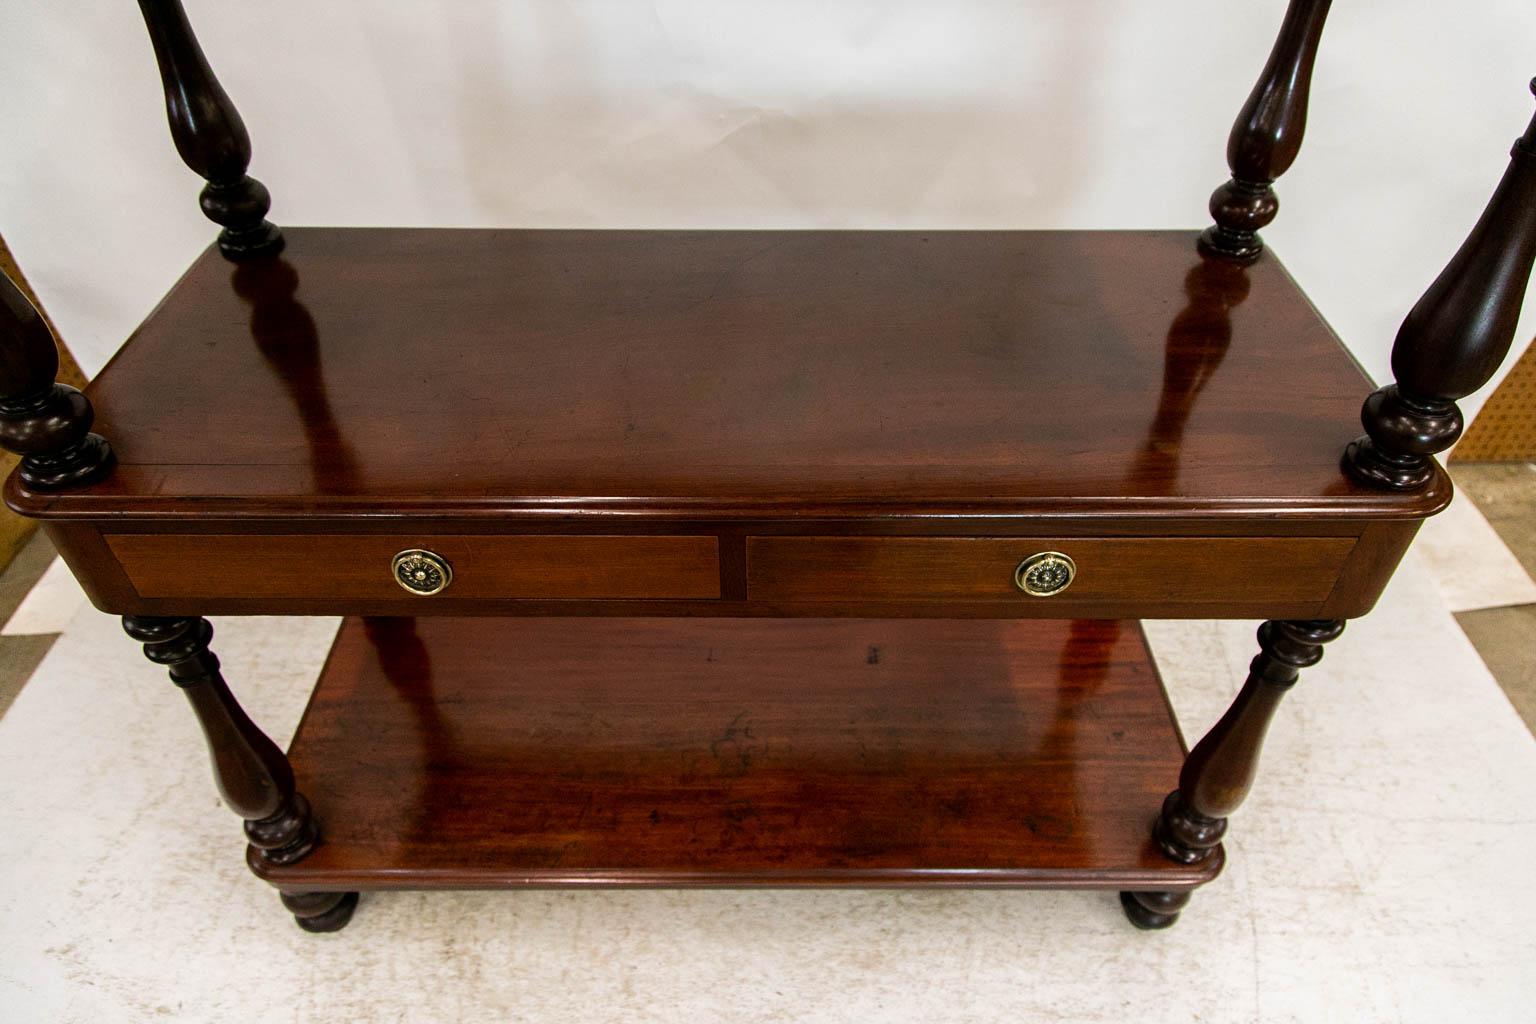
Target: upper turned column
[[1266, 137], [209, 135], [1454, 338], [47, 423]]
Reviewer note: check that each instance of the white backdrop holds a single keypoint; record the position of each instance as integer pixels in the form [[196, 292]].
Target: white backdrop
[[722, 113]]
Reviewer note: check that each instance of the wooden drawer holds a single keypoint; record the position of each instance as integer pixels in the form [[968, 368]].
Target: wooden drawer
[[1157, 570], [485, 566]]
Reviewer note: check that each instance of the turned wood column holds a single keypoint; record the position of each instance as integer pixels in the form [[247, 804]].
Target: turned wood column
[[1218, 773], [47, 423], [1454, 338], [252, 774], [1266, 137], [209, 135]]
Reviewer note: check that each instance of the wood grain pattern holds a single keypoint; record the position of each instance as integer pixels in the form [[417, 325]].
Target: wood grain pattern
[[981, 568], [358, 567], [730, 375], [177, 567], [442, 754]]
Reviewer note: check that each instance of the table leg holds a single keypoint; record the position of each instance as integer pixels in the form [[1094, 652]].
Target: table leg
[[253, 775], [1218, 773]]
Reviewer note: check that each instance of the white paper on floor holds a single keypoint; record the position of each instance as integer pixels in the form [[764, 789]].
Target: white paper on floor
[[1379, 872], [49, 605], [1470, 562]]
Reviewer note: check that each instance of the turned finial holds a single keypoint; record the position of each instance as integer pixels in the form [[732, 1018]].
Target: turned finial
[[209, 135], [47, 423], [1454, 338], [1266, 137]]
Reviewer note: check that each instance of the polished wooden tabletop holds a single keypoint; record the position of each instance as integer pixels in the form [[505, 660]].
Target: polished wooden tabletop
[[731, 373], [442, 754]]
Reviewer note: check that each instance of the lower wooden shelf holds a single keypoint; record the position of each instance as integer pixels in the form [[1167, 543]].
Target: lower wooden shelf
[[491, 753]]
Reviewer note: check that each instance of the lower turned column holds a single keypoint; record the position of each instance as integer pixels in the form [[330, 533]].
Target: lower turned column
[[1218, 773], [253, 775]]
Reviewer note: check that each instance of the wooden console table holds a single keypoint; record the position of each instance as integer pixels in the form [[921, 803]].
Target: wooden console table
[[738, 557]]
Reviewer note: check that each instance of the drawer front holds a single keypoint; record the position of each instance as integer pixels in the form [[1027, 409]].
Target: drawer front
[[483, 566], [1196, 570]]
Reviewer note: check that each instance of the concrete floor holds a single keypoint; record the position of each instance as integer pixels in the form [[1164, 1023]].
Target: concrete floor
[[21, 653], [1505, 637]]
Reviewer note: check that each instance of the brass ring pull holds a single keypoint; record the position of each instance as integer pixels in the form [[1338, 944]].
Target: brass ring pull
[[421, 572], [1045, 574]]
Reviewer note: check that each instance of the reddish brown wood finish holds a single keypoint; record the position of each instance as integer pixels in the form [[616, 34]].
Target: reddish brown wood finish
[[252, 774], [217, 572], [1455, 336], [254, 778], [1218, 773], [47, 423], [735, 752], [725, 385], [210, 135], [1267, 136], [485, 566], [731, 375], [752, 424], [1164, 571], [1220, 770]]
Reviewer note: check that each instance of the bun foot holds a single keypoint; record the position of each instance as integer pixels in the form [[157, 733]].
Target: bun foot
[[321, 911], [1151, 911]]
